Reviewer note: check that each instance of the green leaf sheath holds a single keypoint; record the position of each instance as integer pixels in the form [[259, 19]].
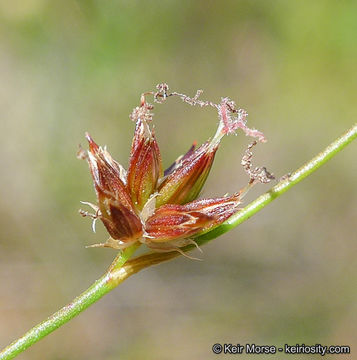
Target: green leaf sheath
[[122, 267]]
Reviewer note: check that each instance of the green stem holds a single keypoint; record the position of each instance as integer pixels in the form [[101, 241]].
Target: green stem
[[122, 267], [102, 286], [282, 186]]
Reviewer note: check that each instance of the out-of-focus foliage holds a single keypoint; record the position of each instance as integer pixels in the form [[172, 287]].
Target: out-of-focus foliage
[[71, 66]]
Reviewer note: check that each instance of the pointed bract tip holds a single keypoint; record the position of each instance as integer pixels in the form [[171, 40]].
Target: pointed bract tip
[[92, 145]]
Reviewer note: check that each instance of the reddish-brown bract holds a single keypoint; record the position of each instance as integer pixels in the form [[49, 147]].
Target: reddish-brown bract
[[116, 208], [170, 222], [185, 182], [145, 167]]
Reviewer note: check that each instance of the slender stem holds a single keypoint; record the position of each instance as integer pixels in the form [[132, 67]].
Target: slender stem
[[102, 286], [284, 185], [122, 267]]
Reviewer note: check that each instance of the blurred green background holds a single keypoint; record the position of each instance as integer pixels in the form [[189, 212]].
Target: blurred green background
[[288, 275]]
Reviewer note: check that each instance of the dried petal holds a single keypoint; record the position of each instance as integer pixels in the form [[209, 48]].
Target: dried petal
[[145, 167], [173, 222]]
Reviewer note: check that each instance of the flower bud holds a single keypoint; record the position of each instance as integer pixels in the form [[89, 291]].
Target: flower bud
[[185, 182], [173, 222], [144, 165], [115, 205]]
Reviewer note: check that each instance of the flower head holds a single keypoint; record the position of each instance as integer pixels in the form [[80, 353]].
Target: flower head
[[158, 207]]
